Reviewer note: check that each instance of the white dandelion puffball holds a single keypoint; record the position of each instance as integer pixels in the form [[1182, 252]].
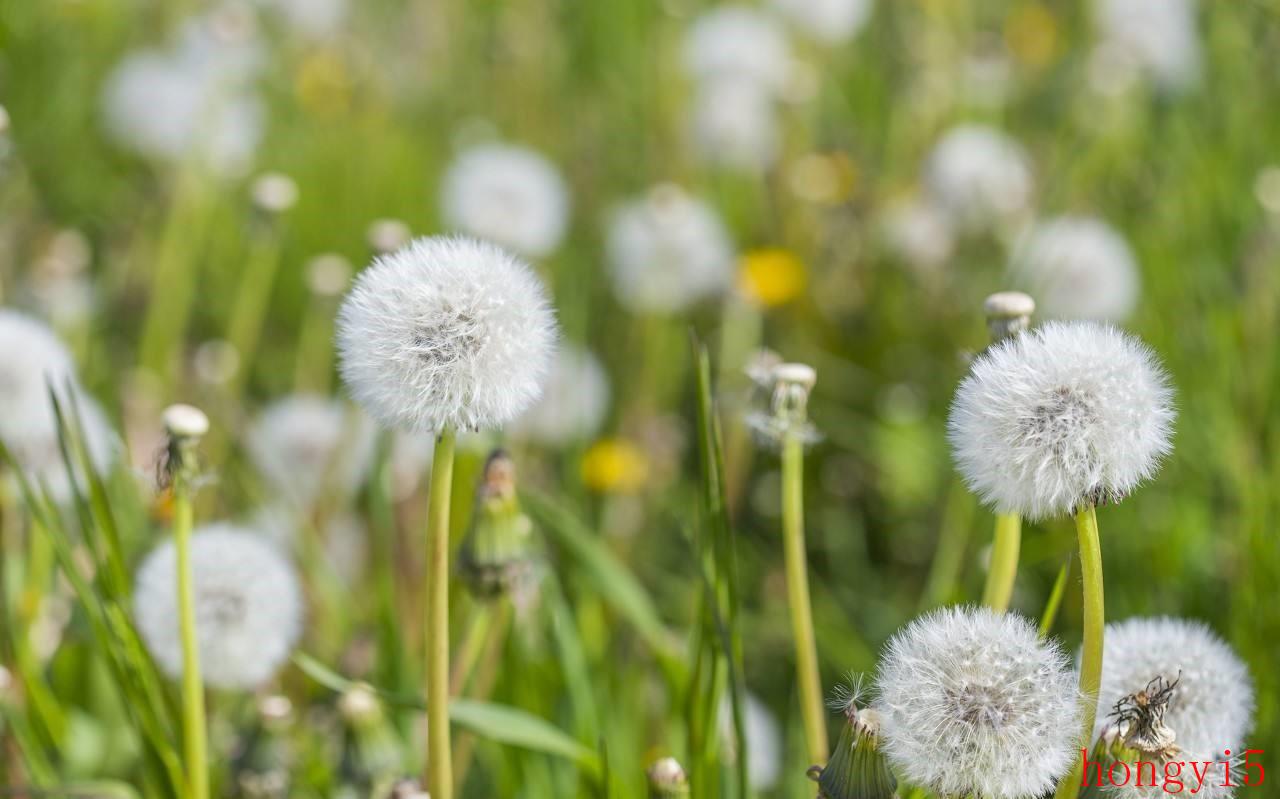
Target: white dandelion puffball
[[32, 358], [446, 332], [763, 738], [737, 42], [667, 251], [1156, 37], [307, 446], [574, 404], [827, 21], [311, 19], [1077, 268], [973, 702], [39, 451], [1067, 413], [919, 235], [979, 176], [511, 196], [345, 539], [1212, 706], [735, 124], [247, 600]]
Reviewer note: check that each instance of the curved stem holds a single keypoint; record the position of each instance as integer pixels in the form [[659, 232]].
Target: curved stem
[[193, 715], [1094, 622], [1004, 562], [439, 766], [811, 705]]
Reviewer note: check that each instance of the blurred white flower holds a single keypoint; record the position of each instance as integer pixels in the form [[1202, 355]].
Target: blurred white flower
[[32, 359], [827, 21], [1159, 38], [1213, 701], [311, 19], [247, 600], [764, 740], [1069, 412], [388, 235], [667, 251], [511, 196], [38, 450], [574, 404], [1077, 267], [919, 235], [344, 538], [973, 702], [307, 446], [980, 177], [446, 332], [738, 42], [274, 192], [735, 124]]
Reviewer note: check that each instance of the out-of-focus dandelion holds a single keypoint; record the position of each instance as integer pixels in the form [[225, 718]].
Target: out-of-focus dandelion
[[735, 124], [498, 555], [58, 285], [974, 703], [919, 235], [574, 404], [385, 236], [343, 538], [738, 42], [1078, 268], [1156, 38], [511, 196], [39, 452], [34, 359], [667, 779], [1266, 187], [248, 606], [771, 277], [614, 465], [310, 19], [274, 192], [763, 741], [667, 251], [980, 177], [831, 22], [307, 446]]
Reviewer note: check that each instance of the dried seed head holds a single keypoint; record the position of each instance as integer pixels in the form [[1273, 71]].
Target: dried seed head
[[1008, 313], [185, 422]]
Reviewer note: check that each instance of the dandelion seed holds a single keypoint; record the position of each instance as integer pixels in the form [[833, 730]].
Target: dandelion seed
[[248, 606], [828, 21], [574, 404], [445, 333], [980, 177], [1062, 415], [667, 252], [1078, 268], [737, 42], [511, 196], [973, 702]]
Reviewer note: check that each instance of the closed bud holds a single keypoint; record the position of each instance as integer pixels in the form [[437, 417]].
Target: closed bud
[[667, 779], [499, 550]]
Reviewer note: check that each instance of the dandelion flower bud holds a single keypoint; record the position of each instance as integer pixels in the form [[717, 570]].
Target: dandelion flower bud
[[667, 779], [973, 702], [1068, 413], [738, 42], [274, 193], [1008, 313], [574, 404], [1079, 267], [858, 768], [668, 251], [497, 556], [446, 332], [980, 177], [248, 606], [1213, 701], [511, 196]]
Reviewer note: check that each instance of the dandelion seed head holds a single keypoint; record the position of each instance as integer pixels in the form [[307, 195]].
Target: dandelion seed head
[[919, 234], [446, 332], [32, 359], [980, 177], [1078, 268], [185, 421], [274, 192], [343, 537], [973, 702], [38, 449], [1213, 701], [1158, 38], [574, 404], [827, 21], [668, 251], [1066, 413], [310, 19], [741, 43], [511, 196], [248, 606], [307, 446], [328, 275], [735, 124]]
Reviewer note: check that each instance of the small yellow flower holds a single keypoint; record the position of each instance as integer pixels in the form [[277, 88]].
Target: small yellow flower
[[614, 465], [771, 277], [1031, 33]]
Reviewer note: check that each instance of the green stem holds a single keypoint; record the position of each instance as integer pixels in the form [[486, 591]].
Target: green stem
[[193, 716], [811, 705], [439, 766], [1004, 562], [953, 539], [244, 329], [173, 281], [1094, 621]]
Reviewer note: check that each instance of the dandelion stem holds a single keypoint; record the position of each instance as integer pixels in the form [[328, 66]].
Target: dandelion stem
[[193, 715], [807, 675], [1094, 620], [1004, 562], [439, 766]]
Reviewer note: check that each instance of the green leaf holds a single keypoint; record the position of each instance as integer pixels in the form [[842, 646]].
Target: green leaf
[[514, 727]]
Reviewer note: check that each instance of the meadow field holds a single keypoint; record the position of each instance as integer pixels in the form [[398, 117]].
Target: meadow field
[[548, 399]]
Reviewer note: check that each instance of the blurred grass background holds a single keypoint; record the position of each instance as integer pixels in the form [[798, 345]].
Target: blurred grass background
[[366, 121]]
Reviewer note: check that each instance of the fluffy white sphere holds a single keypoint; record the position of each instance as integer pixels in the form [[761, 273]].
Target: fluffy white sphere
[[1212, 706], [511, 196], [306, 446], [738, 43], [446, 332], [344, 537], [919, 235], [827, 21], [973, 702], [574, 404], [735, 124], [32, 358], [1065, 413], [1157, 37], [312, 19], [1077, 267], [248, 606], [667, 251], [979, 176]]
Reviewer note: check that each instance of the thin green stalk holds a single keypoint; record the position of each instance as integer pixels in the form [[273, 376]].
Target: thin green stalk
[[193, 713], [953, 539], [1094, 621], [1004, 562], [811, 704], [439, 766], [173, 282], [244, 329], [1055, 600]]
